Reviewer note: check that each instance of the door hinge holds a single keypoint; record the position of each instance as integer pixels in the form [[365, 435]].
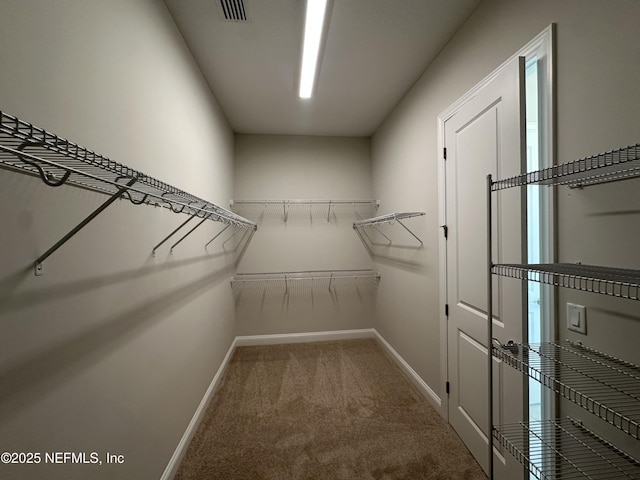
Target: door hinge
[[446, 387], [444, 153], [445, 229], [446, 309]]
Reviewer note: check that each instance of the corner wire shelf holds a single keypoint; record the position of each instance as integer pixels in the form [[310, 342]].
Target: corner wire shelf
[[390, 219], [616, 282], [286, 204], [605, 167], [288, 277], [565, 449], [604, 385], [32, 150]]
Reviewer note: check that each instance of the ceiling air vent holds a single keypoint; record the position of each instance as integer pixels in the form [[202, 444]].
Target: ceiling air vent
[[233, 10]]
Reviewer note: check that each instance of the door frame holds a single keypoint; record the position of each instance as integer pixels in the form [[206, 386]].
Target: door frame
[[543, 42]]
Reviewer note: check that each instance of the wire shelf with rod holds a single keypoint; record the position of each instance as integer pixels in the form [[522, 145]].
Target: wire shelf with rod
[[305, 275], [295, 204], [292, 277], [390, 219], [32, 150], [619, 164], [565, 449], [616, 282], [601, 384]]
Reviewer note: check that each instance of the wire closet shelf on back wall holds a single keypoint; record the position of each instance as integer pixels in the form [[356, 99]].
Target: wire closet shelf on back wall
[[296, 205], [329, 277], [32, 150], [603, 385]]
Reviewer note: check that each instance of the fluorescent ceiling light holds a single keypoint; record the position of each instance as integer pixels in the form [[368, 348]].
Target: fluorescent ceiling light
[[313, 26]]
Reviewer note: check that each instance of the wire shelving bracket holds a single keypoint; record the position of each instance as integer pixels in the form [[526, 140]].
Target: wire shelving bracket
[[56, 161]]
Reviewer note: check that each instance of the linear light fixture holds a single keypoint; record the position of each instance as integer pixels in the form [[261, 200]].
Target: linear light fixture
[[313, 26]]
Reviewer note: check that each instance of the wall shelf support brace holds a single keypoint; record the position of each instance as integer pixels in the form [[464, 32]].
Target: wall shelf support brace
[[80, 226], [189, 233], [217, 235], [153, 252]]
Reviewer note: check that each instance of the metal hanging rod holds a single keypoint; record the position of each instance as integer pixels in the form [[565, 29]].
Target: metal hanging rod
[[601, 384], [389, 218], [29, 149], [610, 166]]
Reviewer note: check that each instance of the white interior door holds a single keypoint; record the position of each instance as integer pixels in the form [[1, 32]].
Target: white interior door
[[485, 135]]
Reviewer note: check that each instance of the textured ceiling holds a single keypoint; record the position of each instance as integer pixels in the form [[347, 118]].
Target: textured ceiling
[[375, 50]]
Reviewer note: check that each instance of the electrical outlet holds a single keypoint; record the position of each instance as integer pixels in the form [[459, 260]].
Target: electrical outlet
[[577, 318]]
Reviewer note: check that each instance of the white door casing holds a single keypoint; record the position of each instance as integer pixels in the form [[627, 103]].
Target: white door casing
[[484, 135]]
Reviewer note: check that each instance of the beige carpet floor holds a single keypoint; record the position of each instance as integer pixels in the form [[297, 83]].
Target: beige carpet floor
[[326, 410]]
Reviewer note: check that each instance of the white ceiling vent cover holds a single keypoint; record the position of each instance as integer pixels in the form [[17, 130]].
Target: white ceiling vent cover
[[233, 10]]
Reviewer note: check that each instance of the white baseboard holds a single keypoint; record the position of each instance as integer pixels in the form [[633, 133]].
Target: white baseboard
[[303, 337], [250, 340], [420, 384], [181, 449]]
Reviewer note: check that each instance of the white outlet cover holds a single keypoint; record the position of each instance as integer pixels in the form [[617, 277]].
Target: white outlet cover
[[577, 318]]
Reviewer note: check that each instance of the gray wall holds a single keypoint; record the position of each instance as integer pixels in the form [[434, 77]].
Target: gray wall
[[111, 350], [597, 109], [281, 167]]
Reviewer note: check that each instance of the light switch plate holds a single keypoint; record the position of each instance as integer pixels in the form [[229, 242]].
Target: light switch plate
[[577, 318]]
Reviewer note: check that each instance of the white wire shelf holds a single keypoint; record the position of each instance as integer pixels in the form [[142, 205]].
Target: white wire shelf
[[374, 203], [290, 277], [390, 219], [616, 282], [601, 384], [564, 450], [28, 149], [295, 204], [605, 167]]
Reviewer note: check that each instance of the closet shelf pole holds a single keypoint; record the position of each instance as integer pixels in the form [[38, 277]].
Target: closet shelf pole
[[190, 232], [153, 252], [81, 225], [489, 328]]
